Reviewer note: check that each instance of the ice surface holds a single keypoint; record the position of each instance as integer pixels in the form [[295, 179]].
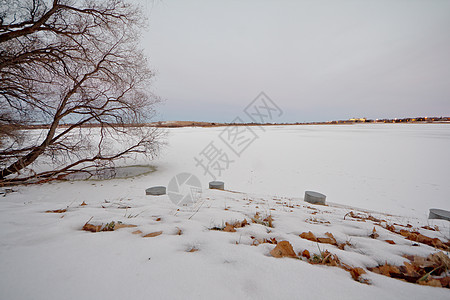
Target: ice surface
[[385, 167]]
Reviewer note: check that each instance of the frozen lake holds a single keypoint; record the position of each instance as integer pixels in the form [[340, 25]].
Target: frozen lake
[[384, 167]]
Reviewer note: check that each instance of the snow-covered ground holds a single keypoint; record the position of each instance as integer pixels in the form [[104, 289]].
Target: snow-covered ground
[[400, 170]]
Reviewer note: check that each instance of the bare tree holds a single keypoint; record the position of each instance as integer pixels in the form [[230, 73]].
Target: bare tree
[[74, 63]]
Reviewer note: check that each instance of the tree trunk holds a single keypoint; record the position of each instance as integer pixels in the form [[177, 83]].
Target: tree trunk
[[28, 159]]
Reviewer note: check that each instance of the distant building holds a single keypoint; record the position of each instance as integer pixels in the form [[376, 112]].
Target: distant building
[[358, 120]]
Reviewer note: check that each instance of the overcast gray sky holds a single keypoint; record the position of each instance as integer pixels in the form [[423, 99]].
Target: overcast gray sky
[[318, 60]]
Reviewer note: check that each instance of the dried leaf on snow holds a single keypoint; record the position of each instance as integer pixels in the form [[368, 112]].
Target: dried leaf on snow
[[56, 211], [283, 249], [153, 234]]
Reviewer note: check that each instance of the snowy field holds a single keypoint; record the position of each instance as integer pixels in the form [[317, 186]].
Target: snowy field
[[394, 173]]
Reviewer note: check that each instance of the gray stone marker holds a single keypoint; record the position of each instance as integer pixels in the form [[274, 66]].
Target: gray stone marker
[[439, 214], [314, 197], [218, 185], [156, 191]]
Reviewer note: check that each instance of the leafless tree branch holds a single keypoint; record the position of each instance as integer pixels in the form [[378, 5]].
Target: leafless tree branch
[[75, 62]]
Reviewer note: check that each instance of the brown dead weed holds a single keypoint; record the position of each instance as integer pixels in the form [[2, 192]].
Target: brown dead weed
[[112, 226], [432, 270]]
